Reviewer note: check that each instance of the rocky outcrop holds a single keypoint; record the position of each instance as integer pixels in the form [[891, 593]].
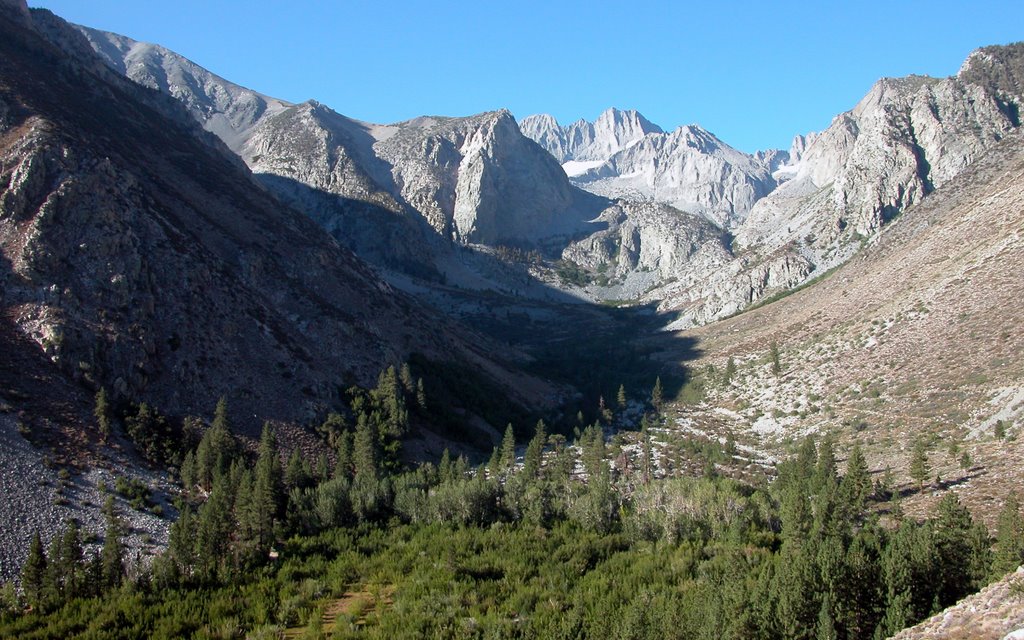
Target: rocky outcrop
[[689, 169], [651, 238], [905, 138], [584, 141], [479, 180], [623, 155]]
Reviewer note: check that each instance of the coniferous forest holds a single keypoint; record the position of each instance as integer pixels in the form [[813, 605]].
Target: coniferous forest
[[553, 543]]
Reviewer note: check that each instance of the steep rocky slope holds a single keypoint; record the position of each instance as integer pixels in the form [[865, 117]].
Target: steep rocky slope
[[994, 613], [919, 336], [796, 214], [395, 194], [905, 138], [138, 253]]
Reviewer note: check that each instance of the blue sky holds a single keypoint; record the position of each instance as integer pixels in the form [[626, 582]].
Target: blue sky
[[754, 73]]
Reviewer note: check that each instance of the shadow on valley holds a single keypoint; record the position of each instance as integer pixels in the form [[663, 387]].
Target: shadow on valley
[[595, 349], [592, 348]]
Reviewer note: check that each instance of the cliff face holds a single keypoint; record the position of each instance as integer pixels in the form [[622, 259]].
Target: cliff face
[[905, 138]]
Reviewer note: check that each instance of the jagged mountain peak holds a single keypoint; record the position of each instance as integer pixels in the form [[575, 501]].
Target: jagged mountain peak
[[630, 117]]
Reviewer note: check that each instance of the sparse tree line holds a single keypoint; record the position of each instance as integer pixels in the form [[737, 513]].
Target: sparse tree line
[[806, 558]]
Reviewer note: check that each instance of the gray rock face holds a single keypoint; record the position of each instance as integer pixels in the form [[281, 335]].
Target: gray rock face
[[622, 155], [689, 169], [584, 141], [479, 180], [222, 107], [647, 244], [905, 138]]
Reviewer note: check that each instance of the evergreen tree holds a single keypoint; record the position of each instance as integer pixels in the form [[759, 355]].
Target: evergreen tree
[[730, 371], [189, 474], [445, 468], [217, 448], [268, 490], [332, 428], [365, 454], [1009, 551], [535, 451], [620, 397], [343, 468], [648, 460], [796, 593], [34, 573], [508, 448], [72, 559], [296, 473], [421, 395], [953, 550], [856, 484], [826, 628], [112, 555], [181, 545], [54, 586], [405, 375], [102, 411], [773, 356], [657, 395], [919, 467], [213, 530], [965, 461], [863, 594]]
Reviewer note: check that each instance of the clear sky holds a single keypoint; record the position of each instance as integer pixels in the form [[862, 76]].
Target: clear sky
[[753, 73]]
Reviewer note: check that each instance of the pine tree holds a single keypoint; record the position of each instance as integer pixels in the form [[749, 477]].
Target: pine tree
[[112, 555], [421, 395], [773, 356], [268, 490], [919, 467], [620, 397], [365, 455], [55, 572], [445, 468], [508, 448], [648, 461], [657, 395], [1009, 551], [343, 466], [103, 414], [332, 428], [730, 371], [856, 484], [213, 530], [405, 375], [795, 591], [34, 573], [73, 560], [217, 448], [826, 628], [953, 550], [181, 545], [535, 451]]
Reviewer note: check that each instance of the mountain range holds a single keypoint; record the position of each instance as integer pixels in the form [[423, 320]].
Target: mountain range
[[174, 238]]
